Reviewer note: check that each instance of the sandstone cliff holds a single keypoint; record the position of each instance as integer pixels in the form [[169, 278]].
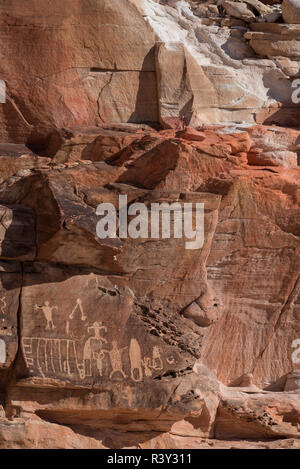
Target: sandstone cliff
[[142, 343]]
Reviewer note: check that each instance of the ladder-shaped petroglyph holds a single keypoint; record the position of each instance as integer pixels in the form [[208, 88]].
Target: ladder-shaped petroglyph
[[51, 356], [48, 314]]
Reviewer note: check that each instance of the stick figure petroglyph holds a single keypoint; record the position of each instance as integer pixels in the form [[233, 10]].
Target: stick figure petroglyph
[[137, 363], [47, 311]]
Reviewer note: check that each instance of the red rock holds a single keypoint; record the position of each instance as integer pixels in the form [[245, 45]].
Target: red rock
[[140, 342]]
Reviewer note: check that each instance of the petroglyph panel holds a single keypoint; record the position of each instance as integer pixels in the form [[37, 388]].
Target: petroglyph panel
[[10, 289], [84, 329]]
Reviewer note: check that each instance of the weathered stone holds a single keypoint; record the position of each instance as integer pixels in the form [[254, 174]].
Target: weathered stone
[[293, 381], [238, 10], [142, 342], [10, 291], [17, 233], [291, 11]]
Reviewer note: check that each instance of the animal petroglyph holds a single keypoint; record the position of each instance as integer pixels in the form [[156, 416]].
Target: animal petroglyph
[[2, 351], [47, 311], [2, 305]]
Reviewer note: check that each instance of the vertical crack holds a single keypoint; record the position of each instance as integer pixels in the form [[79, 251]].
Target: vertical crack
[[12, 372], [100, 94], [276, 321]]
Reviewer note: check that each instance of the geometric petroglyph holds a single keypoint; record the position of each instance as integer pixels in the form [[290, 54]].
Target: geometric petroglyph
[[3, 305], [138, 364], [2, 351], [51, 355], [77, 308]]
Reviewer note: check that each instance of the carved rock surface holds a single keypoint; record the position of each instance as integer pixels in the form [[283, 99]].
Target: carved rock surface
[[132, 339]]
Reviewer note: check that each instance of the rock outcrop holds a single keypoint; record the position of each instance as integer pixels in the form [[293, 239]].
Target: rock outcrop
[[146, 59], [137, 342]]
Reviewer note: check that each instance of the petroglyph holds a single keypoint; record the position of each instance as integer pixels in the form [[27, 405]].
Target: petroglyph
[[89, 359], [115, 356], [47, 311], [136, 361], [170, 360], [127, 395], [2, 351], [51, 356], [3, 305], [157, 363], [79, 306], [83, 317], [92, 349]]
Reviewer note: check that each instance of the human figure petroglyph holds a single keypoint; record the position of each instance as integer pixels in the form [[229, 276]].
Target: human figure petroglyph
[[47, 311], [99, 356], [157, 363], [97, 327], [92, 348], [3, 303], [154, 363], [137, 363], [115, 356]]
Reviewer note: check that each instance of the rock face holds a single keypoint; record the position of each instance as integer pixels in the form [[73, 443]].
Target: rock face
[[139, 341], [174, 63], [291, 11]]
